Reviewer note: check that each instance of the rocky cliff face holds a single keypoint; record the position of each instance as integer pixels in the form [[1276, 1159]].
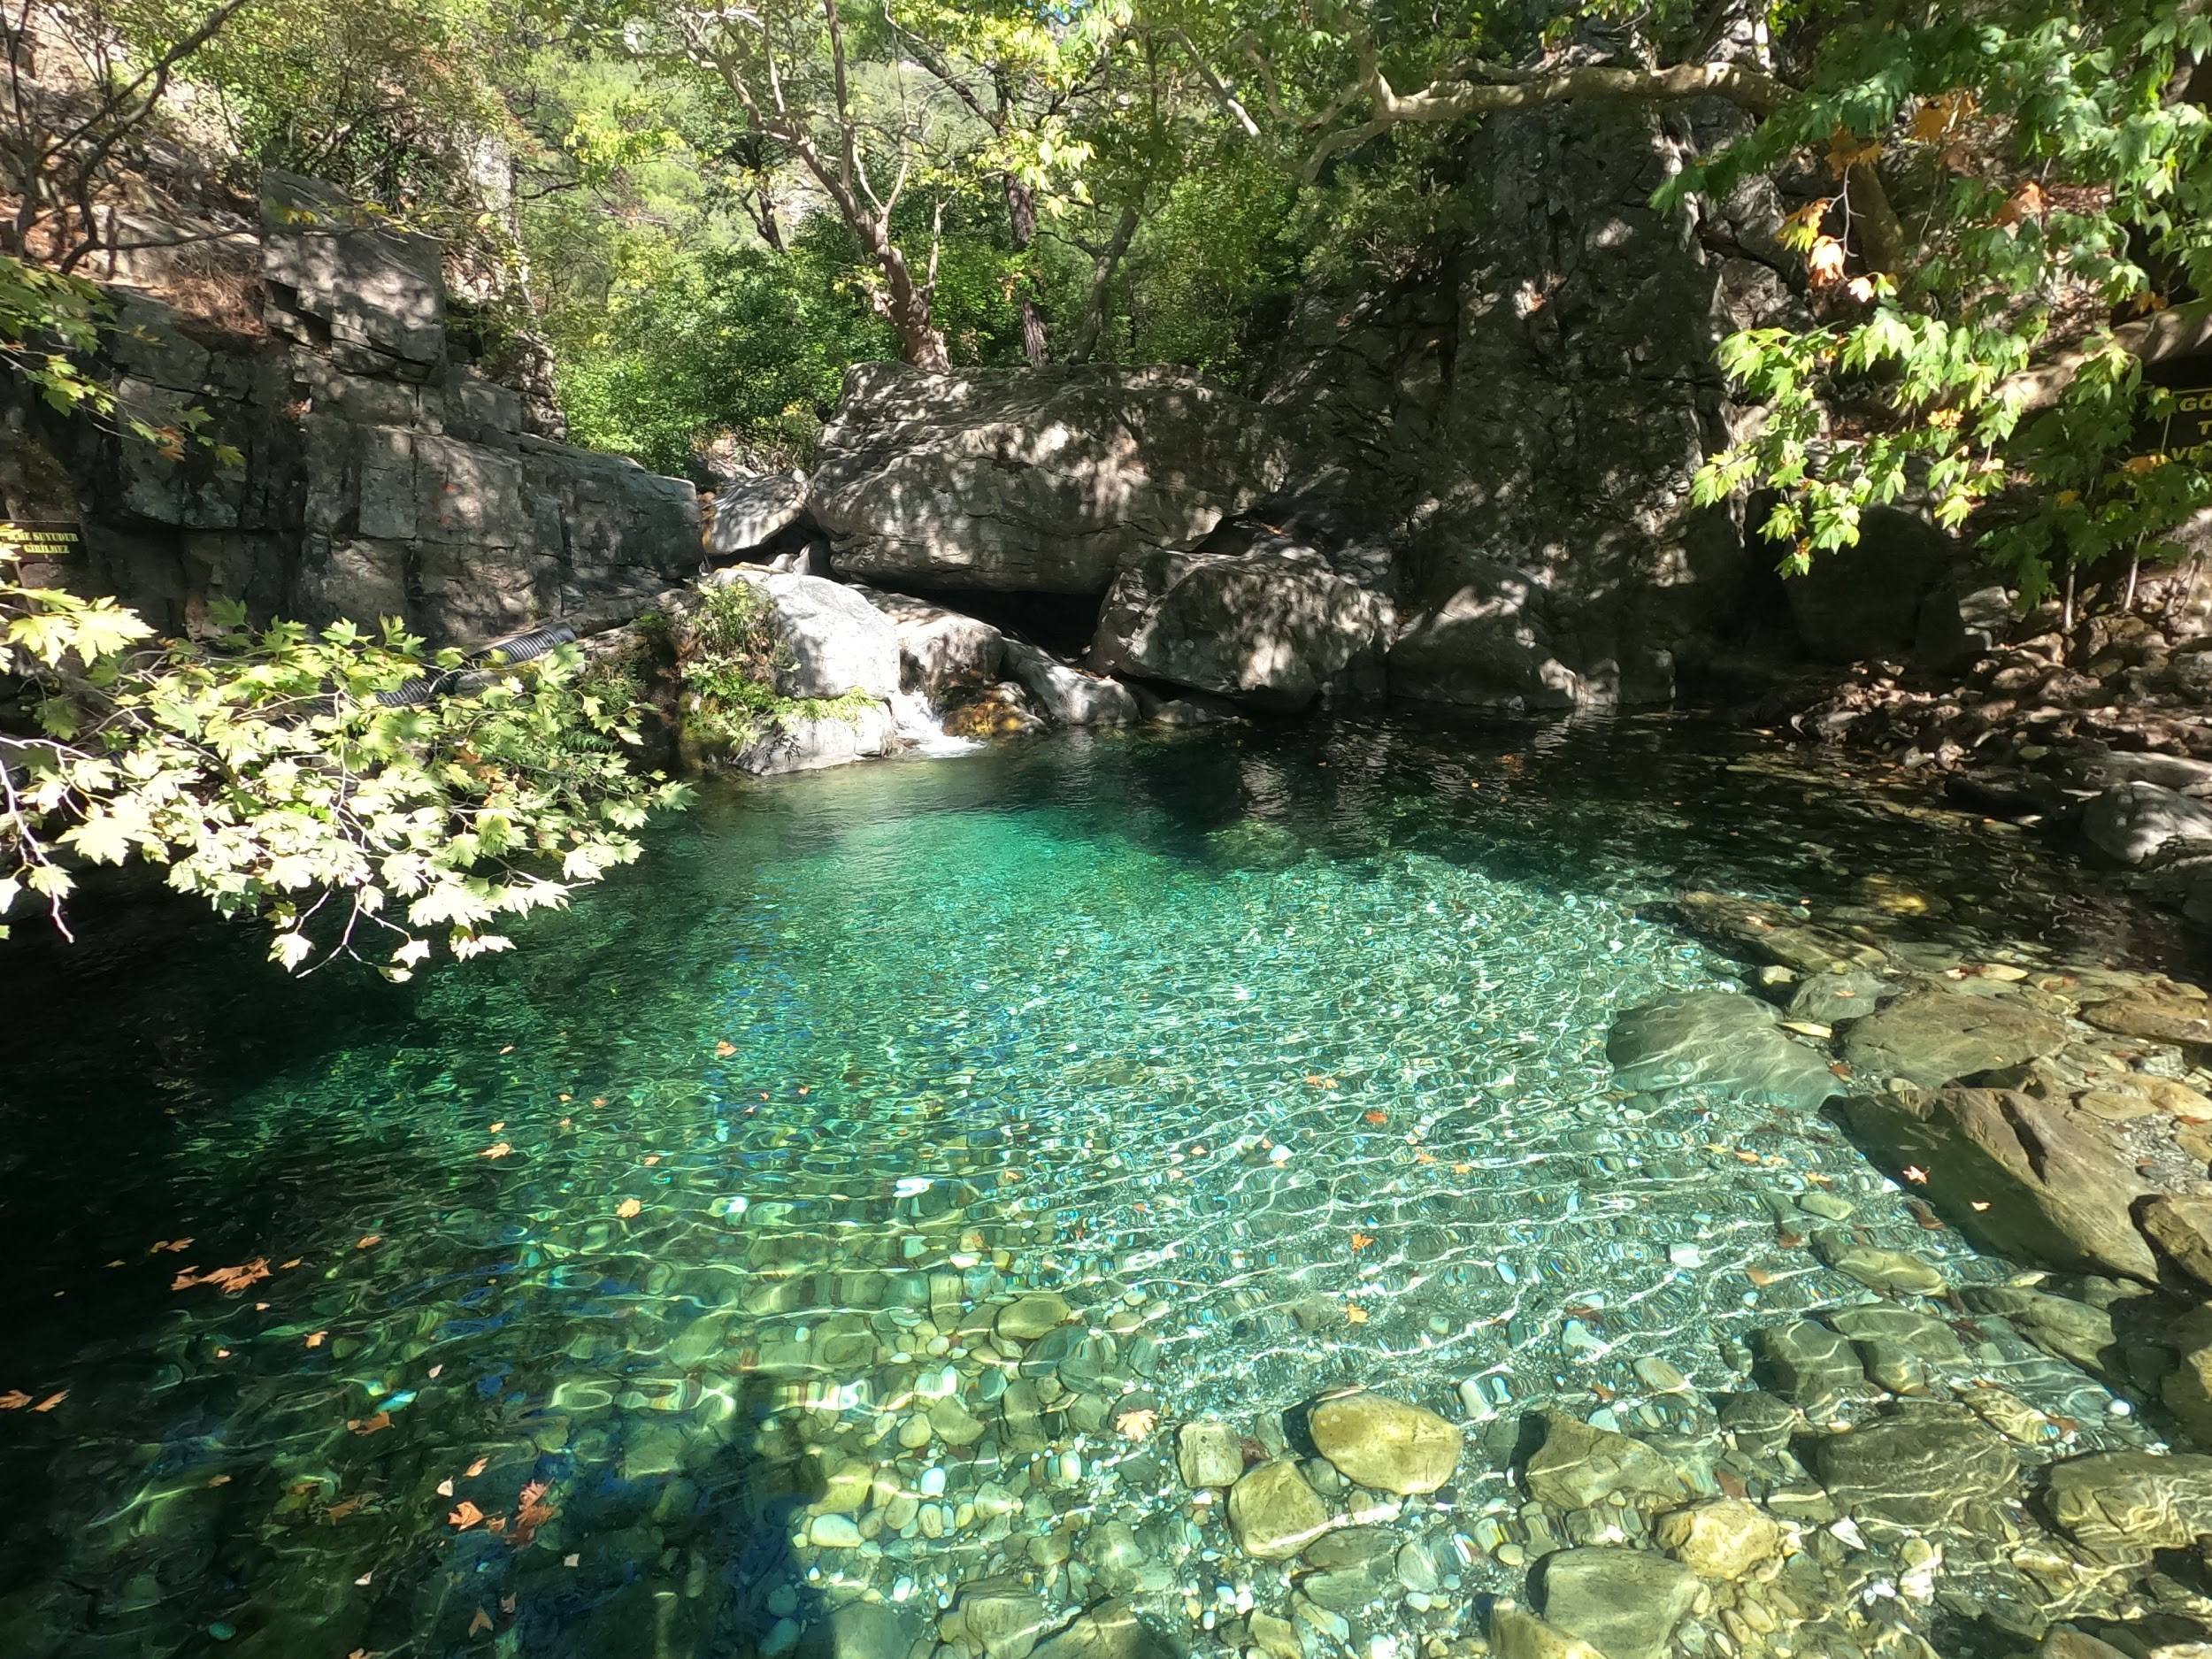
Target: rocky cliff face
[[382, 476], [1528, 412]]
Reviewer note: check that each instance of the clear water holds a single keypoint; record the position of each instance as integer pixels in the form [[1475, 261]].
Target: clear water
[[1277, 1054]]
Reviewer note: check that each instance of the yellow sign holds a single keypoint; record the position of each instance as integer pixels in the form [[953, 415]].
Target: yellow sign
[[39, 538]]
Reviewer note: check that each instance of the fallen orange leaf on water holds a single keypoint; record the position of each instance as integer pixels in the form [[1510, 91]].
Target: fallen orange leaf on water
[[599, 1100], [1356, 1314], [315, 1338], [652, 1160], [1463, 1168], [465, 1515], [496, 1127], [497, 1149], [435, 1369], [572, 1561], [369, 1425], [230, 1280], [1425, 1158], [445, 1487], [366, 1239], [1759, 1276], [339, 1511], [1376, 1117], [510, 1048], [1361, 1241], [481, 1623], [287, 1266], [219, 1480], [14, 1400], [477, 1468], [725, 1048], [627, 1208]]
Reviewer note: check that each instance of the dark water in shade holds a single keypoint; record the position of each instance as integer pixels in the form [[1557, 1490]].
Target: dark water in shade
[[1277, 1053]]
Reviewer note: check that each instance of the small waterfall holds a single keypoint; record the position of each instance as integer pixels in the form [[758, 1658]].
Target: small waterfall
[[923, 728]]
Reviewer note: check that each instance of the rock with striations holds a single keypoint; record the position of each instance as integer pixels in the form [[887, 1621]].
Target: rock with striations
[[1809, 1364], [749, 512], [1003, 1616], [2160, 1013], [1933, 1037], [1111, 1630], [2013, 1173], [2181, 1227], [1386, 1444], [2126, 1505], [1068, 695], [1918, 1469], [1626, 1603], [809, 743], [1270, 624], [2060, 1327], [1042, 480], [1516, 1634], [1719, 1039], [940, 651], [1028, 1317], [2135, 821], [2187, 1388], [1274, 1513], [1577, 1465], [1893, 1273]]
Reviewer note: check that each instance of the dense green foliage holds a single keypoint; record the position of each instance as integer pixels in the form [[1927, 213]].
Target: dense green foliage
[[267, 775]]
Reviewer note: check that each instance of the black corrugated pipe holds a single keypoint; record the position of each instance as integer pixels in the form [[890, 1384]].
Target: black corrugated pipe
[[519, 649]]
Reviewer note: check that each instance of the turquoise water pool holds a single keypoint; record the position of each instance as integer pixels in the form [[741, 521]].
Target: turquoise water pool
[[553, 1295]]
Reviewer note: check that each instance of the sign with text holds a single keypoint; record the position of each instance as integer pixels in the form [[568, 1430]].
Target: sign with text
[[2188, 423], [47, 539]]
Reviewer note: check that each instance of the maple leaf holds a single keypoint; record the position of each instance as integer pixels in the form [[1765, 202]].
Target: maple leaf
[[465, 1515], [1846, 149], [497, 1149], [1361, 1241], [1824, 261], [1135, 1425], [2027, 202], [627, 1208], [1356, 1314]]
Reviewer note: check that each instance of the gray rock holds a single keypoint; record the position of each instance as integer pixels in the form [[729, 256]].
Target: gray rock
[[1576, 1465], [2060, 1327], [835, 641], [1918, 1333], [800, 742], [1208, 1454], [870, 1630], [2125, 1505], [999, 1615], [2135, 821], [377, 292], [1046, 479], [1809, 1364], [2101, 768], [1719, 1039], [1933, 1037], [1836, 999], [1272, 625], [2013, 1173], [1028, 1318], [748, 511], [1626, 1603], [1724, 1539], [1898, 1272], [1112, 1629], [1761, 1424], [1918, 1468], [1068, 695], [1516, 1634], [940, 651]]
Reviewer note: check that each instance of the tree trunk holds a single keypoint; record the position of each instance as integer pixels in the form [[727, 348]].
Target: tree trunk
[[1021, 211], [905, 306], [1102, 267]]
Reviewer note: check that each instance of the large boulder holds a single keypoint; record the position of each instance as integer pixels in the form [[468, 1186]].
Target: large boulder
[[1918, 1469], [1624, 1602], [2138, 820], [808, 742], [341, 278], [1046, 481], [749, 512], [1931, 1038], [2126, 1505], [1271, 624], [2013, 1173], [940, 651], [1068, 695], [832, 640], [1720, 1040]]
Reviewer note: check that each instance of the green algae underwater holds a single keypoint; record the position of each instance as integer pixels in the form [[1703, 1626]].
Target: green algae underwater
[[639, 1293]]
